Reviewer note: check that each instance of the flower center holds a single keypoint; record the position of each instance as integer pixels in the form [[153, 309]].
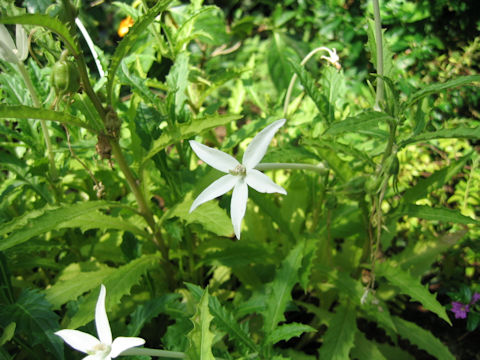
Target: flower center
[[239, 170], [100, 349]]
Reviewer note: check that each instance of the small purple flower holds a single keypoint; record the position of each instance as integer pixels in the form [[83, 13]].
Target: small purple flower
[[475, 298], [460, 310]]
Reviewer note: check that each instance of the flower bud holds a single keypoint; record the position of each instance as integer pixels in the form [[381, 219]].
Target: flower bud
[[65, 79]]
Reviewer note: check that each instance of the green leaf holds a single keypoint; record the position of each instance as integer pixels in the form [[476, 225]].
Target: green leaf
[[8, 333], [281, 289], [437, 87], [211, 216], [435, 181], [364, 121], [34, 320], [423, 339], [365, 349], [118, 283], [50, 218], [149, 310], [456, 133], [308, 83], [137, 30], [279, 68], [224, 319], [201, 338], [388, 66], [185, 131], [412, 287], [434, 214], [177, 80], [75, 280], [50, 23], [340, 335], [287, 331], [21, 112]]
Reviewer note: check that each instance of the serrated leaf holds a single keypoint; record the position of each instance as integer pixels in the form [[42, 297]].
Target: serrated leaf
[[308, 84], [434, 214], [435, 181], [437, 87], [365, 349], [412, 287], [118, 283], [49, 22], [130, 40], [456, 133], [51, 218], [340, 335], [365, 120], [184, 131], [177, 80], [287, 331], [75, 280], [279, 68], [98, 220], [21, 112], [35, 320], [201, 338], [281, 288], [211, 216], [224, 319], [147, 311], [423, 339]]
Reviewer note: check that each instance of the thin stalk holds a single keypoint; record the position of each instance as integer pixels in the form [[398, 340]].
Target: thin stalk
[[380, 94], [154, 352], [43, 123], [291, 166]]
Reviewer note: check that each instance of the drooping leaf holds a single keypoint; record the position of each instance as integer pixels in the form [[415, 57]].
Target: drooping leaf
[[177, 80], [130, 40], [118, 283], [224, 319], [279, 68], [22, 112], [308, 83], [423, 339], [184, 131], [281, 288], [412, 287], [35, 320], [340, 335], [201, 338]]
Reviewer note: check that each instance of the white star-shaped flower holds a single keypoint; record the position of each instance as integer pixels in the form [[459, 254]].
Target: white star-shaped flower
[[239, 176], [8, 50], [102, 348]]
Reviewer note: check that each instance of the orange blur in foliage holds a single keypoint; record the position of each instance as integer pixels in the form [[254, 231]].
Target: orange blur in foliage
[[124, 26]]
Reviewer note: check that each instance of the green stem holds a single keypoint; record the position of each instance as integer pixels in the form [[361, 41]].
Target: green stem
[[380, 95], [154, 352], [291, 166], [43, 123]]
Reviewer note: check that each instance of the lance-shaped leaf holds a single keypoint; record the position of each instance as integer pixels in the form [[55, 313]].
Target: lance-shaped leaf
[[201, 338]]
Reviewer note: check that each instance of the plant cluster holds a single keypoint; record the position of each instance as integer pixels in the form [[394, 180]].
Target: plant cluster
[[358, 182]]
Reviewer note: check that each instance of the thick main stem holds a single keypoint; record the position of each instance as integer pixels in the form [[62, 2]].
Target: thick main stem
[[43, 123], [380, 95]]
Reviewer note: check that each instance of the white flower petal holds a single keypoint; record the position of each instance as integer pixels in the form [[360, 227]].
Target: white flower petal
[[101, 319], [258, 147], [6, 53], [213, 157], [78, 340], [121, 344], [6, 38], [22, 42], [262, 183], [215, 189], [97, 357], [238, 205]]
